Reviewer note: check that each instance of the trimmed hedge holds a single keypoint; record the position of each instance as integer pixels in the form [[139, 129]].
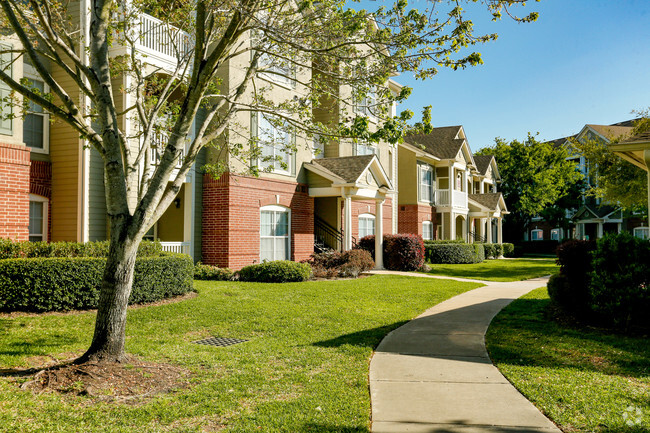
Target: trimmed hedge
[[493, 251], [278, 271], [508, 250], [402, 252], [453, 253], [15, 250], [535, 247], [64, 283], [569, 290], [212, 273]]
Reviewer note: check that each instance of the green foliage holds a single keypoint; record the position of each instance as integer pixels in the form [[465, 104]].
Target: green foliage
[[209, 272], [453, 253], [67, 283], [508, 249], [534, 176], [493, 251], [570, 289], [278, 271], [13, 250], [498, 270], [546, 247], [620, 280], [332, 264], [402, 252], [613, 179]]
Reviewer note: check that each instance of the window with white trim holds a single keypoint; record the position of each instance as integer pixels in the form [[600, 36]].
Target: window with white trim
[[367, 105], [427, 230], [366, 225], [274, 233], [642, 232], [425, 183], [555, 234], [364, 148], [38, 207], [6, 107], [537, 235], [272, 68], [318, 147], [275, 144]]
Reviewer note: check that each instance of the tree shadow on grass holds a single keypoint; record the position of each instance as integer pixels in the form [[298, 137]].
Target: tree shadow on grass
[[366, 338], [524, 334]]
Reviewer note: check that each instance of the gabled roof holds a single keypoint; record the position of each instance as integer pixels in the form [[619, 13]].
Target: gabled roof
[[483, 162], [642, 137], [597, 212], [442, 142], [349, 169], [489, 200], [610, 132]]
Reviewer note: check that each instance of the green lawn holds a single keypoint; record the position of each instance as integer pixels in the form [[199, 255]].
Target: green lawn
[[585, 380], [499, 270], [305, 367]]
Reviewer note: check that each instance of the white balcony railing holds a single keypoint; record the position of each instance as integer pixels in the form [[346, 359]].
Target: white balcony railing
[[460, 199], [176, 247], [442, 197], [162, 39]]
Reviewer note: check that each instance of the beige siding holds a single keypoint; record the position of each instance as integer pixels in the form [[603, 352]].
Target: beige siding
[[97, 221], [408, 182]]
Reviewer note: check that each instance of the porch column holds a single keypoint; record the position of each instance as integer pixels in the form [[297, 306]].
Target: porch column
[[600, 230], [452, 185], [188, 207], [500, 230], [347, 223], [452, 226], [489, 230], [379, 234], [470, 237], [618, 228]]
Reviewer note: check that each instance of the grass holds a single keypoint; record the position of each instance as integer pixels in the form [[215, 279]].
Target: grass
[[499, 270], [585, 380], [305, 368]]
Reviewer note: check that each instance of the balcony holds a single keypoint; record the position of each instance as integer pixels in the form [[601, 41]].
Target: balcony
[[442, 198], [157, 43], [176, 247]]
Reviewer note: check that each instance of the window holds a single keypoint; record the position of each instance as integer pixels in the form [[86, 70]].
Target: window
[[37, 218], [35, 123], [364, 148], [427, 230], [6, 108], [275, 144], [536, 235], [425, 183], [274, 233], [366, 225], [555, 234], [642, 232], [318, 147], [272, 68], [367, 105]]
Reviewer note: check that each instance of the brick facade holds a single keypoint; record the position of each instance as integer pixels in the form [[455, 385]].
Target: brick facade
[[368, 206], [411, 217], [231, 218], [40, 183], [14, 191]]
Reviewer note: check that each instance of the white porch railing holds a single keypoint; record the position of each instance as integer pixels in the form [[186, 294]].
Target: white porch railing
[[161, 38], [460, 199], [442, 197], [176, 247]]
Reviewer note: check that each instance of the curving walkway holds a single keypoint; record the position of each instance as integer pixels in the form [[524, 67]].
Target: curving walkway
[[433, 374]]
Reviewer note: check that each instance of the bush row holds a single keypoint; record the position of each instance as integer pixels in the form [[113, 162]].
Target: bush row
[[453, 253], [334, 264], [607, 281], [214, 273], [278, 271], [402, 252], [64, 283], [14, 250], [535, 247]]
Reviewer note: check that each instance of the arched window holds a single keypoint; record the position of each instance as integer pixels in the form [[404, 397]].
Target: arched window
[[427, 230], [274, 233], [366, 225], [38, 209]]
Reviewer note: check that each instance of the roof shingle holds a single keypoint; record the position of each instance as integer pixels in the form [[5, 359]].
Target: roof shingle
[[441, 142], [483, 162], [489, 200], [348, 168]]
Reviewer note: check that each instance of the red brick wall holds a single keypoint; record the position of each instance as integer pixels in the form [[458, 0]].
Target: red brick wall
[[14, 191], [40, 183], [231, 218], [411, 216]]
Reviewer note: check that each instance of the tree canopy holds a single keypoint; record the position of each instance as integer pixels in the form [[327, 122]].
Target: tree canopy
[[534, 177], [315, 46]]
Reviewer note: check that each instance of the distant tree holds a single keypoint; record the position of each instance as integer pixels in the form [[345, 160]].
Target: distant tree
[[612, 179], [534, 177]]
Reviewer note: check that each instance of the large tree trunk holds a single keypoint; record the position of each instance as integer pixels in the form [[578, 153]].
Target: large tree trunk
[[110, 325]]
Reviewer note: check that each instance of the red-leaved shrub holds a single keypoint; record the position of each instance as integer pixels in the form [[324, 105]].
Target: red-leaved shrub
[[402, 252]]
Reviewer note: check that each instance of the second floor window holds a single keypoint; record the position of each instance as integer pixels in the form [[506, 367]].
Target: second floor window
[[275, 145], [6, 109], [364, 148], [425, 183]]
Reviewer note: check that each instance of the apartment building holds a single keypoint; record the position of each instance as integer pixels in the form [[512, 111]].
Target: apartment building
[[445, 191], [324, 192]]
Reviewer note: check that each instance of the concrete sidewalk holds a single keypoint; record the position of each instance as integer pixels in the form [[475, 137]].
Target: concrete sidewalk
[[433, 374]]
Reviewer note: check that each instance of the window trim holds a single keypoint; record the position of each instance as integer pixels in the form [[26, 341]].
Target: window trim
[[558, 231], [276, 208], [30, 73], [430, 224], [532, 237], [46, 208], [369, 217], [291, 160], [6, 89], [366, 105], [641, 229], [426, 167], [366, 145]]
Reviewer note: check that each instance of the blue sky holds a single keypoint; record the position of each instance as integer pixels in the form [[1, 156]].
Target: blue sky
[[582, 61]]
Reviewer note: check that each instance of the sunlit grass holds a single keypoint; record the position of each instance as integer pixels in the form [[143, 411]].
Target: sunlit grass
[[499, 269], [305, 367]]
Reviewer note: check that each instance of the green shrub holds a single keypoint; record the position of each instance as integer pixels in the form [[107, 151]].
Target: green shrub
[[535, 247], [64, 283], [493, 251], [14, 250], [355, 262], [279, 271], [508, 250], [620, 280], [214, 273], [402, 251], [453, 253], [570, 291]]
